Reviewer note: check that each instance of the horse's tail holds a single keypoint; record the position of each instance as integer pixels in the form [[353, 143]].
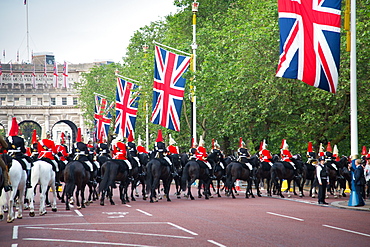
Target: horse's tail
[[149, 176], [184, 177], [110, 172], [70, 178]]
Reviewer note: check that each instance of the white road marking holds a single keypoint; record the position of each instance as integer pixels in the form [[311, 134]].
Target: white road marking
[[183, 229], [141, 211], [285, 216], [87, 242], [345, 230], [109, 231], [15, 232], [215, 243], [14, 245], [129, 206], [79, 213]]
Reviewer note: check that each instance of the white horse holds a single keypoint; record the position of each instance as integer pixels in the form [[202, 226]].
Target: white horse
[[42, 173], [17, 177]]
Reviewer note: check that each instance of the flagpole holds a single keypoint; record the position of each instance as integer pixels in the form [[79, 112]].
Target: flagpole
[[127, 78], [169, 47], [28, 34], [147, 126], [101, 95], [353, 84], [194, 46]]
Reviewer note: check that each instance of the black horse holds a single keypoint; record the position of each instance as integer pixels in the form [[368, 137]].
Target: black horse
[[136, 161], [219, 169], [75, 175], [281, 171], [192, 171], [1, 180], [112, 171], [157, 170], [239, 170], [178, 162], [335, 180], [263, 173]]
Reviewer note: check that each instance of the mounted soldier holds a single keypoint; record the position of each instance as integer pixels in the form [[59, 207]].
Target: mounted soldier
[[120, 155], [265, 154], [201, 155], [80, 153], [4, 167], [330, 161], [160, 152], [17, 150], [47, 152], [173, 152], [132, 153], [34, 148], [286, 156], [62, 150], [193, 150], [244, 155]]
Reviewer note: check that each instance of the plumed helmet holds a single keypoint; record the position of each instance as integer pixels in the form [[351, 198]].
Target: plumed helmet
[[120, 146], [159, 136], [328, 148], [62, 138], [201, 141], [217, 146], [264, 144], [172, 141], [364, 150], [284, 145], [241, 143], [194, 144], [130, 137], [321, 158], [321, 150], [14, 129], [34, 137], [78, 138], [309, 148]]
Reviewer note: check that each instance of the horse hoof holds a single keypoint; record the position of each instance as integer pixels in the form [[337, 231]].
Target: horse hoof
[[10, 220], [19, 217], [1, 217], [43, 213], [54, 209], [112, 203], [289, 196], [32, 214], [133, 199], [102, 204], [78, 207]]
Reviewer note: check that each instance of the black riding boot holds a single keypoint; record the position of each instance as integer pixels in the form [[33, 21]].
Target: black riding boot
[[28, 181], [174, 173], [130, 178], [211, 174], [57, 181], [141, 172]]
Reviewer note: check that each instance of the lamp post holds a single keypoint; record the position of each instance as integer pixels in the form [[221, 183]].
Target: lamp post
[[69, 140], [194, 46]]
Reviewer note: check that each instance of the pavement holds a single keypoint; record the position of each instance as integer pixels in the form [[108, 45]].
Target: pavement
[[344, 204]]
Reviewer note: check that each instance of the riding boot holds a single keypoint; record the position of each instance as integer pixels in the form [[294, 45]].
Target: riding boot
[[174, 173], [98, 175], [28, 181], [141, 173], [130, 178], [7, 186], [57, 181], [92, 178], [211, 174]]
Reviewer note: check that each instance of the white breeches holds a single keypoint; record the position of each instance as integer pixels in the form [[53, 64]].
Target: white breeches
[[168, 160], [292, 165], [88, 163], [56, 165], [97, 164], [138, 161], [249, 166], [128, 164]]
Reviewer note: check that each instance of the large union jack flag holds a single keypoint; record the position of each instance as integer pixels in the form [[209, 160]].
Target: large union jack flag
[[168, 88], [127, 102], [310, 41]]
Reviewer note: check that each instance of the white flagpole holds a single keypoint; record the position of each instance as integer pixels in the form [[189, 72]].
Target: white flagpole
[[353, 85], [127, 78], [169, 47], [194, 46], [28, 34]]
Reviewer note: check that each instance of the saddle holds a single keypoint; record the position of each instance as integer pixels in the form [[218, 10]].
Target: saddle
[[287, 165], [50, 162], [202, 164], [163, 162], [8, 161], [122, 166]]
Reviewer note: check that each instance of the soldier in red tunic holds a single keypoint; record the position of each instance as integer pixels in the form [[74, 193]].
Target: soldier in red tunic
[[265, 154], [286, 155], [120, 153], [47, 151], [201, 155]]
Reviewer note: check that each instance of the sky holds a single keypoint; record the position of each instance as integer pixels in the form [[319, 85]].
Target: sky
[[76, 31]]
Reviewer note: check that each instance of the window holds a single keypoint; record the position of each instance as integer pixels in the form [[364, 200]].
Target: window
[[53, 101], [64, 101], [39, 101], [28, 101], [2, 100], [16, 98], [75, 101]]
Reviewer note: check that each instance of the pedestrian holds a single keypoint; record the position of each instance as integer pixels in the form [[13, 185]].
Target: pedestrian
[[367, 174], [359, 180], [323, 179]]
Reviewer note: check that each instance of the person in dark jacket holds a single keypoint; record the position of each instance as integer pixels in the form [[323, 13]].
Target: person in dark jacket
[[322, 179], [359, 180]]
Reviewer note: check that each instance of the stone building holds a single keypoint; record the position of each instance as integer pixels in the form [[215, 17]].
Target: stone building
[[27, 93]]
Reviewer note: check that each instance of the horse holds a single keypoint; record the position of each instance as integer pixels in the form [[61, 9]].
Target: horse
[[138, 179], [1, 180], [42, 173], [279, 172], [335, 180], [112, 171], [157, 171], [239, 170], [263, 172], [75, 175], [192, 171], [216, 158], [17, 178]]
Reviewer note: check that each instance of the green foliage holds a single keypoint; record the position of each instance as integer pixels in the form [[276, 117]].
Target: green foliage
[[237, 92]]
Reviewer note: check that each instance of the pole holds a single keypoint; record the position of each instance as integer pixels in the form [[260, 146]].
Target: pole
[[147, 127], [194, 46], [28, 34], [353, 85]]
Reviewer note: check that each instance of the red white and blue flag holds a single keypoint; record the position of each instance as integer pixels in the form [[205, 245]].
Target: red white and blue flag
[[55, 75], [310, 42], [127, 102], [168, 88], [102, 118], [65, 75]]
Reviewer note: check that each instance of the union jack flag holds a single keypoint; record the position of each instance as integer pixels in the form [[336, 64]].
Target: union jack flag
[[310, 41], [127, 102], [100, 107], [168, 88]]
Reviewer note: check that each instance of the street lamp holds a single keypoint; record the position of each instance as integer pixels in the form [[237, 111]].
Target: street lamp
[[194, 46], [69, 140]]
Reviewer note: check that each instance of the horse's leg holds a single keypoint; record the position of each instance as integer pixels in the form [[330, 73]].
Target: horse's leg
[[218, 187], [22, 190], [54, 189], [192, 180], [167, 185], [143, 189], [30, 196], [77, 195], [201, 183], [83, 197], [10, 205], [102, 195], [44, 188], [133, 188]]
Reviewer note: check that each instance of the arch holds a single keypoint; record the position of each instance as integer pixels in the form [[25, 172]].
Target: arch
[[26, 128], [70, 135]]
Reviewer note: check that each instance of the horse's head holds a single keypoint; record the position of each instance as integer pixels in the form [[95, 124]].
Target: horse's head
[[275, 158]]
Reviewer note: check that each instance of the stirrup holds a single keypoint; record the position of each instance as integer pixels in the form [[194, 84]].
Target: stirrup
[[8, 188]]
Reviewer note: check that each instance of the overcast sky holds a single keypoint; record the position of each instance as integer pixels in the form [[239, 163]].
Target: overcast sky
[[76, 31]]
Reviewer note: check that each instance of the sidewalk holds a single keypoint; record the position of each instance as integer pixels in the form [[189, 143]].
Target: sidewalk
[[344, 204]]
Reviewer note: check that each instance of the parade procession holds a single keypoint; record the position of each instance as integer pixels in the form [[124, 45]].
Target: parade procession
[[211, 107]]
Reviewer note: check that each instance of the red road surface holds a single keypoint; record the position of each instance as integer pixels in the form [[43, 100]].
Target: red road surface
[[260, 221]]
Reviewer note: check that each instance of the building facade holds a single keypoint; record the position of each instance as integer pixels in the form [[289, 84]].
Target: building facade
[[28, 93]]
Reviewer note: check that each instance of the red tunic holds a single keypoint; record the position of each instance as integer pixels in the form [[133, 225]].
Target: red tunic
[[63, 150], [201, 153], [266, 155], [46, 149], [286, 155], [172, 149]]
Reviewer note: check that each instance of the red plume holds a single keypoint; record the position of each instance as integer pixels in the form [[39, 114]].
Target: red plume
[[261, 145], [130, 137], [34, 137], [310, 149], [14, 129], [62, 138], [240, 142], [159, 136], [213, 143], [328, 148], [282, 143], [364, 150], [78, 138]]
